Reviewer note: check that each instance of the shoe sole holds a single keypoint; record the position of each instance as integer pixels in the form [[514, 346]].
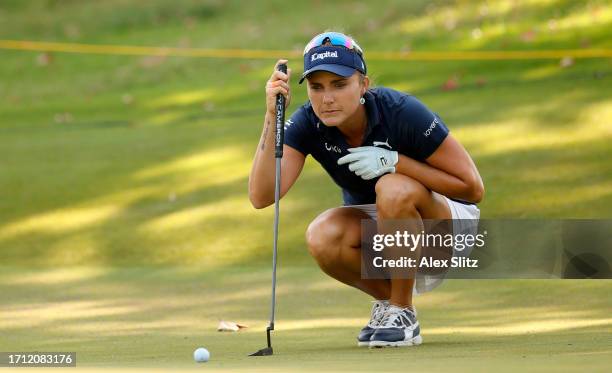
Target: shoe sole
[[411, 342], [363, 344]]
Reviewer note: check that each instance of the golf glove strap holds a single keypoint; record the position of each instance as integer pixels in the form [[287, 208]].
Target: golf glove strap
[[370, 161]]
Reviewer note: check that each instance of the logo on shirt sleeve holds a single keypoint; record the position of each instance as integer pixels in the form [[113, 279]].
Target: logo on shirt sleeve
[[431, 127], [288, 123]]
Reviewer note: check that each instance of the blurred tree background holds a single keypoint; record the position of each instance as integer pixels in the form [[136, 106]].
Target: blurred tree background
[[114, 159]]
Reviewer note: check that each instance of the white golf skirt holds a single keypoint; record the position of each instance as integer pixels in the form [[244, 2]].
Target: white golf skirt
[[464, 217]]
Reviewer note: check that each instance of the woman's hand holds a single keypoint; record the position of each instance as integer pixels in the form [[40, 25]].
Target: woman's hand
[[278, 83], [370, 161]]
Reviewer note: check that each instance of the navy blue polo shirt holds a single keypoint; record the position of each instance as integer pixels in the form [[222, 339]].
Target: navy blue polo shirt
[[396, 121]]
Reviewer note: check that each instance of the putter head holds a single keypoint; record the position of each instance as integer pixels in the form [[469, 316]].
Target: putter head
[[263, 352]]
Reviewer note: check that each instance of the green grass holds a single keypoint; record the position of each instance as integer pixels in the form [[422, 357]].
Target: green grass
[[131, 171], [154, 318]]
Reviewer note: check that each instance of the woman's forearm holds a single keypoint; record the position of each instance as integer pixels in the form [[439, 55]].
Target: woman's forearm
[[261, 178], [440, 181]]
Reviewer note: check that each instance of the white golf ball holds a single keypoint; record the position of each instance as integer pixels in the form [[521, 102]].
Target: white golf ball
[[201, 355]]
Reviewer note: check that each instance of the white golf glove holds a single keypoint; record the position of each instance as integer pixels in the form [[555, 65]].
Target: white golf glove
[[370, 161]]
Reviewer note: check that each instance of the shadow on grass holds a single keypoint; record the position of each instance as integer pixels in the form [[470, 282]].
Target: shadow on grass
[[126, 305]]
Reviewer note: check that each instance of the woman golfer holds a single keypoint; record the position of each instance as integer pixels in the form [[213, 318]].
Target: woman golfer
[[392, 157]]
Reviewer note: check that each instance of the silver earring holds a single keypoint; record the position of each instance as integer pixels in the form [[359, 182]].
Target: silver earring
[[362, 101]]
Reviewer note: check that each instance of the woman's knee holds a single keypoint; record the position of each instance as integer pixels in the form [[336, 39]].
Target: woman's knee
[[330, 231], [397, 193], [324, 236]]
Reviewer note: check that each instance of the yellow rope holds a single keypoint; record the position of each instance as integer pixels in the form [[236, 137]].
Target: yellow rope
[[274, 54]]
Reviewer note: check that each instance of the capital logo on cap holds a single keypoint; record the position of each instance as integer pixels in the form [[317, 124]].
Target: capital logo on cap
[[321, 56]]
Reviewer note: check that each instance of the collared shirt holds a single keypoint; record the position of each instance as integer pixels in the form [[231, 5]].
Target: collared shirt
[[395, 121]]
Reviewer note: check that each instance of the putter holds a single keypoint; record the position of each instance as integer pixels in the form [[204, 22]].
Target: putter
[[278, 154]]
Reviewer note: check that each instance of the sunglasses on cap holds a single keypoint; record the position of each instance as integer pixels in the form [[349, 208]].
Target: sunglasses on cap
[[335, 39]]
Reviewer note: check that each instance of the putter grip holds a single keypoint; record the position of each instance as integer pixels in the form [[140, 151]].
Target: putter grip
[[280, 119]]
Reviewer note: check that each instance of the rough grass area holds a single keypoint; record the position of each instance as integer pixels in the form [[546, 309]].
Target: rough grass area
[[135, 160]]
